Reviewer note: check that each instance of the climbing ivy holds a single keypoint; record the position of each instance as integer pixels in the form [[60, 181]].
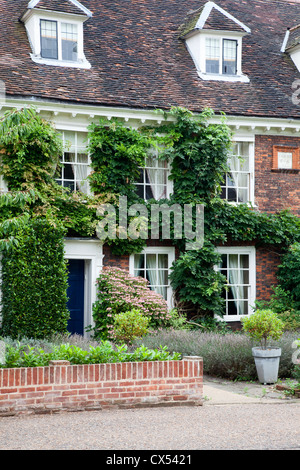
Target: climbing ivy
[[197, 152]]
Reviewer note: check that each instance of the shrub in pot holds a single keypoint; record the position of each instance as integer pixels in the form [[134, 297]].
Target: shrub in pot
[[263, 326]]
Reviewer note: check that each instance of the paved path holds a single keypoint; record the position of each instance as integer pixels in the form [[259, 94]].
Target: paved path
[[233, 417]]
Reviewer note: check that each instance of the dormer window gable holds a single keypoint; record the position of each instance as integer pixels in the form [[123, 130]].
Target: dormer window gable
[[55, 32], [213, 38], [291, 45]]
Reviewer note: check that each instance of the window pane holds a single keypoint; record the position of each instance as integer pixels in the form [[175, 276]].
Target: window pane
[[236, 268], [49, 48], [69, 41], [155, 268], [212, 55], [75, 162], [229, 57], [153, 181]]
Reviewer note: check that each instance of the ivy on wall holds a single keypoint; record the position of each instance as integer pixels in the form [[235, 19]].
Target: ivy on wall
[[197, 152]]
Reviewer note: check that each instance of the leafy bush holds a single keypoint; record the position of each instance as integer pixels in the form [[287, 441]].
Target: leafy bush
[[262, 326], [22, 355], [289, 273], [198, 286], [128, 326], [228, 356], [30, 149], [282, 303], [119, 292], [34, 282]]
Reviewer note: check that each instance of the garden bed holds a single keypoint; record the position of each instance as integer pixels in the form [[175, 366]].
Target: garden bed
[[61, 386], [289, 389]]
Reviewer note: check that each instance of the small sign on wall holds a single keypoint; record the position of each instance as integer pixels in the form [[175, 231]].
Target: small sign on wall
[[285, 160]]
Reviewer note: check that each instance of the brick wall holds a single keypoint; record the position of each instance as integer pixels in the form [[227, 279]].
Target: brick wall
[[275, 190], [267, 262], [64, 387]]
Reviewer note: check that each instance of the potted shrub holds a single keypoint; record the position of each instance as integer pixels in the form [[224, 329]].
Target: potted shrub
[[262, 326]]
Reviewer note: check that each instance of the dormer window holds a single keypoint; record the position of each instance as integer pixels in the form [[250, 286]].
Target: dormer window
[[221, 56], [213, 38], [56, 37], [59, 40]]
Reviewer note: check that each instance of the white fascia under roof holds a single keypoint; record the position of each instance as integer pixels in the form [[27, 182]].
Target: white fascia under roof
[[207, 11], [86, 11]]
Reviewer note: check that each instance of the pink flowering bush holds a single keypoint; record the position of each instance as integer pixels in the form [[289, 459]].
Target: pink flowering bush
[[119, 292]]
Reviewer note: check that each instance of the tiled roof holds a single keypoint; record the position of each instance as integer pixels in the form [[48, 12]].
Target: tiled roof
[[65, 6], [139, 60]]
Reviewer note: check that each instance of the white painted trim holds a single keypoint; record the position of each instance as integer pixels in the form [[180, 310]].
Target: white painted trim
[[251, 251], [91, 251], [61, 63], [78, 117], [170, 251], [285, 40], [85, 10], [207, 11], [224, 78]]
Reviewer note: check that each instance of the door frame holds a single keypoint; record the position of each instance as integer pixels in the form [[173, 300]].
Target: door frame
[[91, 251]]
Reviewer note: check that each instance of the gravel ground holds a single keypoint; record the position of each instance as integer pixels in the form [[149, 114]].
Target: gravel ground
[[255, 426]]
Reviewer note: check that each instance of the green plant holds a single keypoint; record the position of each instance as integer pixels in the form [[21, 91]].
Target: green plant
[[22, 355], [119, 292], [177, 321], [262, 326], [30, 148], [129, 325], [34, 282]]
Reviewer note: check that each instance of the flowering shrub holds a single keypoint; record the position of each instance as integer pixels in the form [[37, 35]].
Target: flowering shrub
[[119, 292]]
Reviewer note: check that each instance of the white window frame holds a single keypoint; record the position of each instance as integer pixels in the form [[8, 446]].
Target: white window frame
[[77, 149], [251, 158], [251, 252], [32, 23], [167, 170], [170, 251], [196, 45]]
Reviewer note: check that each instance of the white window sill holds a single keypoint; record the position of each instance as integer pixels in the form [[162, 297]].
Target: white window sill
[[224, 78], [84, 64]]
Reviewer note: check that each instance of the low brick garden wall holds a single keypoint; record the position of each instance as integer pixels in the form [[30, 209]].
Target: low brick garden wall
[[64, 387]]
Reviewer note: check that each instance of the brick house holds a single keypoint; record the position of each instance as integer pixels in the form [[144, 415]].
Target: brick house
[[77, 62]]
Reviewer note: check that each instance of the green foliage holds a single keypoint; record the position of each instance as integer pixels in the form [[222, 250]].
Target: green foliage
[[224, 355], [34, 281], [289, 273], [129, 325], [198, 155], [117, 152], [262, 326], [198, 286], [282, 303], [29, 356], [30, 149], [119, 292]]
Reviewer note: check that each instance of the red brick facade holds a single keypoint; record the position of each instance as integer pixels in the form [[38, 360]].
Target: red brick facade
[[64, 387], [275, 189]]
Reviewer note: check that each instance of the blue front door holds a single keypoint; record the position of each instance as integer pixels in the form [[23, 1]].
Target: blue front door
[[76, 296]]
